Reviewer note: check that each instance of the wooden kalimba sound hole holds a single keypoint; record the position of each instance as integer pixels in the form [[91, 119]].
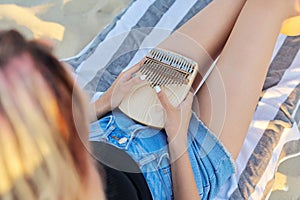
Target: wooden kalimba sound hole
[[173, 73]]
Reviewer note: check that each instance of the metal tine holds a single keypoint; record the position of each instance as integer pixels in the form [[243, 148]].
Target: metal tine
[[172, 58], [175, 76], [164, 76], [156, 51], [190, 67], [187, 70], [182, 64], [184, 78], [152, 54], [144, 66], [167, 57], [171, 76], [148, 69], [164, 60], [168, 76], [156, 54], [178, 62], [154, 67], [151, 71], [156, 73], [186, 66], [173, 63], [160, 55], [193, 68], [161, 75], [178, 77]]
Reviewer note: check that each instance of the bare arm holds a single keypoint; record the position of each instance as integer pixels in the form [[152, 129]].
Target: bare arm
[[178, 118], [114, 95], [184, 185], [103, 105]]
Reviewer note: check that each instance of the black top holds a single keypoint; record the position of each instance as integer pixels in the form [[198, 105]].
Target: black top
[[123, 178]]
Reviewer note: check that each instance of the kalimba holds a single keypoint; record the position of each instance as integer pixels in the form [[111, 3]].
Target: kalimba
[[175, 75]]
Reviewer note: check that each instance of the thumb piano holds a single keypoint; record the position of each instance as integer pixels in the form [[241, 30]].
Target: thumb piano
[[175, 75]]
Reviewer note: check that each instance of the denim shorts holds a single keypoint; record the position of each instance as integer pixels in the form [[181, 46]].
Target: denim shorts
[[211, 163]]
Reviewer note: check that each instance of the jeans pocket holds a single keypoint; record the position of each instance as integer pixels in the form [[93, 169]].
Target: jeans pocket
[[164, 168], [165, 173], [100, 128]]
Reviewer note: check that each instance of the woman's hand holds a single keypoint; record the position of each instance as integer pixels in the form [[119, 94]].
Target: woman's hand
[[177, 118], [121, 86], [176, 126]]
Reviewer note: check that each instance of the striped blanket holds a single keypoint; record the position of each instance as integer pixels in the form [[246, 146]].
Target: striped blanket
[[273, 135]]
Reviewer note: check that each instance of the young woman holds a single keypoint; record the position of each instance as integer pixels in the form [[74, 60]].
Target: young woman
[[41, 151], [245, 32]]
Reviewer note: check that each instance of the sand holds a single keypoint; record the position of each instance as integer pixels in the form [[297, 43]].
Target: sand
[[72, 24]]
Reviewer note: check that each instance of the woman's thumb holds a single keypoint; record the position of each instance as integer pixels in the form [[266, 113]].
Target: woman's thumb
[[188, 101], [162, 97]]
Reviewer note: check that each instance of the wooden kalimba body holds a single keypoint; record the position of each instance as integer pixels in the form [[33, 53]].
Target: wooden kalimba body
[[173, 73]]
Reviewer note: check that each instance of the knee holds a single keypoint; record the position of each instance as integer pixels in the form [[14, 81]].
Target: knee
[[289, 7]]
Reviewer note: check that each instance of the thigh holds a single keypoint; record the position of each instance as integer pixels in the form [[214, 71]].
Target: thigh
[[229, 98]]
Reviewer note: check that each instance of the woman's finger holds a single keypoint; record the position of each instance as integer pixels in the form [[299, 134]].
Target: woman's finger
[[132, 70], [163, 98], [136, 80]]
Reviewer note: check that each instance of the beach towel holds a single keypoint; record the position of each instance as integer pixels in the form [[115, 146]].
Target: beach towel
[[273, 135]]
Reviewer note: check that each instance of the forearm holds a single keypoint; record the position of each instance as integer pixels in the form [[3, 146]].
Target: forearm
[[112, 98], [102, 106], [184, 185]]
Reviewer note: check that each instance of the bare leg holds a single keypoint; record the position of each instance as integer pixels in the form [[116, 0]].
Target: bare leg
[[242, 67], [203, 37]]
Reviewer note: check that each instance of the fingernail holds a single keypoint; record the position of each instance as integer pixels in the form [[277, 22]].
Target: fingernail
[[143, 77], [157, 89], [133, 75]]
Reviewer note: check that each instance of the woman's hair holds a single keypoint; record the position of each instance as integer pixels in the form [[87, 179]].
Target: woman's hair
[[41, 152]]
